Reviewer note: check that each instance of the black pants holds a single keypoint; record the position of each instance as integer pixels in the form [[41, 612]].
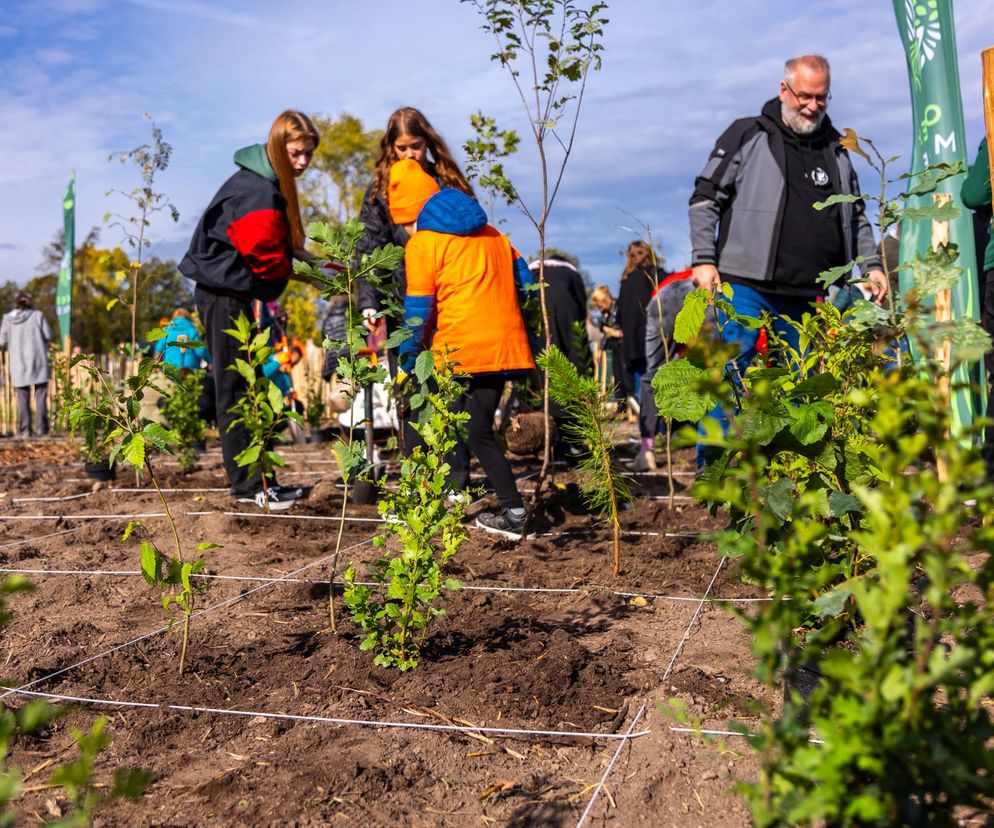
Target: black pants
[[480, 400], [218, 312]]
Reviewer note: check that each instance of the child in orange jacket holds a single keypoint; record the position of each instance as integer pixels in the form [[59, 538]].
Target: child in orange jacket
[[465, 285]]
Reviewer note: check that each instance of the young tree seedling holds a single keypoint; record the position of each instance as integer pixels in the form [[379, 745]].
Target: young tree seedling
[[605, 485], [396, 613]]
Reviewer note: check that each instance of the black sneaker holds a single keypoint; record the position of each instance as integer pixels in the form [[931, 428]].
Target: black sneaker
[[275, 497], [502, 523], [286, 492]]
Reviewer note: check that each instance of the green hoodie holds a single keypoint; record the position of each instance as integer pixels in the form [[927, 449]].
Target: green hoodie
[[254, 158], [976, 194]]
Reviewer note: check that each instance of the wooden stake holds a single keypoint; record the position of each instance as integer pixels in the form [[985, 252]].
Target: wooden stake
[[943, 313]]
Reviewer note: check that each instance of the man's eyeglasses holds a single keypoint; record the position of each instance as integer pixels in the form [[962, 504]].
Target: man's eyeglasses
[[804, 98]]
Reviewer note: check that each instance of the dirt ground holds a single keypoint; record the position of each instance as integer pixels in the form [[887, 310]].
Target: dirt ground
[[272, 722]]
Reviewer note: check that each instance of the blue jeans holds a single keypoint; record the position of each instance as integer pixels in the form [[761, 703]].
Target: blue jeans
[[750, 302]]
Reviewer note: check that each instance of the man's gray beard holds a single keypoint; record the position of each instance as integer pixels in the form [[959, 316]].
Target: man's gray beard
[[798, 123]]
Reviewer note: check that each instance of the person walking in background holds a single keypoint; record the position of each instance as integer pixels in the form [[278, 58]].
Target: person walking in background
[[976, 194], [242, 252], [26, 335], [611, 335], [638, 281], [465, 287], [752, 216]]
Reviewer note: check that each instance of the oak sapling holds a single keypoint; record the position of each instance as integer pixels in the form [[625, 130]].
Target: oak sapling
[[548, 47], [396, 613], [604, 484], [261, 409]]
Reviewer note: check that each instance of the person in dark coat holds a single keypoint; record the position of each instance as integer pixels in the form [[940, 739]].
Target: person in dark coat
[[241, 255], [566, 304], [26, 335], [638, 281]]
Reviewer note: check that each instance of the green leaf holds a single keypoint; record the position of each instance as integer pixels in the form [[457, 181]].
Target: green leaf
[[133, 450], [151, 563], [811, 421], [970, 342], [763, 426], [452, 583], [817, 386], [933, 212], [827, 278], [155, 334], [675, 389], [841, 503], [779, 497], [831, 604], [691, 316], [275, 397], [424, 366], [837, 198]]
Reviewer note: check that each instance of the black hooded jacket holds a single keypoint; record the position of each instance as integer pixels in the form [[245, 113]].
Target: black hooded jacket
[[241, 244]]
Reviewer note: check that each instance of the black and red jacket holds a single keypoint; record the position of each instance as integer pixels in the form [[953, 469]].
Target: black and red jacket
[[242, 243]]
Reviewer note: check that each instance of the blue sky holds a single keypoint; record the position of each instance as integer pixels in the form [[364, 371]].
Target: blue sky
[[76, 76]]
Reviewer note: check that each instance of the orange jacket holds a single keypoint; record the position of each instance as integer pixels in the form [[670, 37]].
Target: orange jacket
[[465, 282]]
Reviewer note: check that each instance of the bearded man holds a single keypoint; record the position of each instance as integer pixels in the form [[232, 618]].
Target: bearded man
[[752, 216]]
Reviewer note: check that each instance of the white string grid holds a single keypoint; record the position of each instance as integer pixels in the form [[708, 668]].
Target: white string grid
[[649, 596], [622, 738], [297, 717], [213, 608], [669, 669]]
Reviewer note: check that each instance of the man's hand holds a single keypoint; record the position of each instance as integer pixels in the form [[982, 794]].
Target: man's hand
[[369, 317], [706, 277], [877, 282]]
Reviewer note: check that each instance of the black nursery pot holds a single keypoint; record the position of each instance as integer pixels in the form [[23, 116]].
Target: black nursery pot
[[100, 471], [319, 435], [199, 445]]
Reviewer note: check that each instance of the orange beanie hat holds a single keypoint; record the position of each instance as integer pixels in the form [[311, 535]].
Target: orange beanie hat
[[410, 188]]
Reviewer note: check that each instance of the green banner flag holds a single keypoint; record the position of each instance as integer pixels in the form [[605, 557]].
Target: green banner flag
[[929, 38], [63, 292]]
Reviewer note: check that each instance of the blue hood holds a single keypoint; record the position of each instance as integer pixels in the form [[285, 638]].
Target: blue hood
[[452, 211]]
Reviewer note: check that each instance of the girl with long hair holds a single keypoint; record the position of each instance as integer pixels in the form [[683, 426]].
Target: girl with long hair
[[242, 254], [408, 134]]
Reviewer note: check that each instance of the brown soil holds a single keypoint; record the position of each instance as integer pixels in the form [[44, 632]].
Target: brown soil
[[578, 658]]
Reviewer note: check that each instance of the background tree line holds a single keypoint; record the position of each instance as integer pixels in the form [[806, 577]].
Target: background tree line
[[332, 191]]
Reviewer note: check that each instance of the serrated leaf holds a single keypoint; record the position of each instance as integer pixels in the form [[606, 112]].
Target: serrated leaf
[[675, 389], [763, 426], [690, 318], [151, 563], [810, 421], [133, 450], [156, 334], [779, 497]]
